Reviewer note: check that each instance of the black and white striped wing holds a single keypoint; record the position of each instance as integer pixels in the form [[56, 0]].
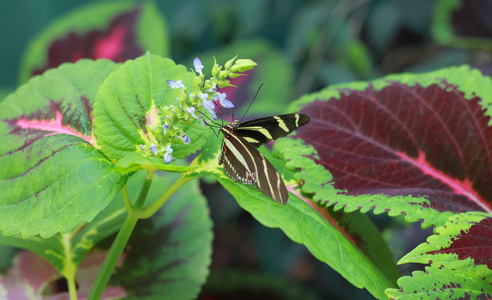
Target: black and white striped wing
[[244, 163], [263, 130]]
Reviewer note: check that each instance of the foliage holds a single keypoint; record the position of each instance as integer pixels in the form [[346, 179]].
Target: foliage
[[106, 137]]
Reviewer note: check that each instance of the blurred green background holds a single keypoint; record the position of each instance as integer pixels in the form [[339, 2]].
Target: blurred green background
[[324, 42]]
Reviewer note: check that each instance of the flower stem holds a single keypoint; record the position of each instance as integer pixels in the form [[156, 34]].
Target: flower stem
[[120, 242], [72, 288], [70, 268], [126, 198], [114, 254], [150, 210]]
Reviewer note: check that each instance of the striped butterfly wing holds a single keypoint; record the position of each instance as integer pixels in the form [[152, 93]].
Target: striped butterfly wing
[[263, 130], [244, 163]]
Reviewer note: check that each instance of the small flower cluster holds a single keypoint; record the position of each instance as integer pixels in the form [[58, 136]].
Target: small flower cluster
[[192, 104]]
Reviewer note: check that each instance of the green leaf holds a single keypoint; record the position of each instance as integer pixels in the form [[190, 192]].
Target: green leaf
[[80, 33], [359, 58], [169, 254], [152, 30], [440, 252], [441, 26], [198, 136], [52, 178], [66, 251], [180, 235], [437, 283], [209, 152], [135, 161], [6, 257], [128, 101], [299, 221], [305, 225]]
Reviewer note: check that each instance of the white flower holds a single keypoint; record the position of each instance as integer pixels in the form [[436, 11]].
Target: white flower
[[153, 149], [175, 84], [223, 101], [208, 104], [167, 156], [185, 139], [197, 63], [191, 111]]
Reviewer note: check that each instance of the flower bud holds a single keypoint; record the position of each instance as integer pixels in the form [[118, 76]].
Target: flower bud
[[243, 65], [216, 69], [225, 83], [228, 64], [223, 74], [236, 75]]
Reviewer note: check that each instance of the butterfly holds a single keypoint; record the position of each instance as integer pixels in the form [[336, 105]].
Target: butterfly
[[244, 163]]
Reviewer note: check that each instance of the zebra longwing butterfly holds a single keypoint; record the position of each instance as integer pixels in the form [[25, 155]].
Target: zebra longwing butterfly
[[244, 163]]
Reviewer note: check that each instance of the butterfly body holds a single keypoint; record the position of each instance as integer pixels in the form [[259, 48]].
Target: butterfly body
[[244, 163]]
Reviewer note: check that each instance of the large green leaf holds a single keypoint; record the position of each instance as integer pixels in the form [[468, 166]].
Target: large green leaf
[[169, 253], [52, 178], [305, 223], [66, 251]]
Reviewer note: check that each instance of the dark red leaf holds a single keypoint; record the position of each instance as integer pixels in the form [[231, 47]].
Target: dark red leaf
[[404, 140], [117, 42], [473, 19], [476, 244]]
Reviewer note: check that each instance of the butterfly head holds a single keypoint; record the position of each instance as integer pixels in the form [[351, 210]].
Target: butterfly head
[[234, 125]]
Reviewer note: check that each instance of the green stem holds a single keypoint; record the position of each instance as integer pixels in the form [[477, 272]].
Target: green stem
[[114, 254], [144, 191], [70, 268], [72, 288], [150, 210], [126, 198], [120, 242]]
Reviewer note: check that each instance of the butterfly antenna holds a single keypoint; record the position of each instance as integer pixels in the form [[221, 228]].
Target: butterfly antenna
[[251, 103], [216, 133], [210, 121], [218, 106], [207, 119]]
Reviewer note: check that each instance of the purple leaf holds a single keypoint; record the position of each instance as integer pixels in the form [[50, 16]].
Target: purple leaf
[[117, 42], [406, 140], [476, 243]]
